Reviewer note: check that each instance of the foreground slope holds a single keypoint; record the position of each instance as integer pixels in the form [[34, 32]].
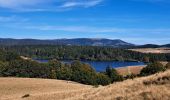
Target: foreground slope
[[146, 88]]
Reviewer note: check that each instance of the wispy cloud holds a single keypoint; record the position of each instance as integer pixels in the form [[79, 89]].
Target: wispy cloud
[[134, 35], [6, 19], [11, 19], [87, 3], [88, 29], [80, 29], [17, 4], [46, 5]]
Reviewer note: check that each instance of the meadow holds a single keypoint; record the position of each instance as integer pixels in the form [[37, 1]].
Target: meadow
[[145, 88]]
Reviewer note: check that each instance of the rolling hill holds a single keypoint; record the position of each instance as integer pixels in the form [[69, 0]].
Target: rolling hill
[[77, 42], [154, 87], [153, 46]]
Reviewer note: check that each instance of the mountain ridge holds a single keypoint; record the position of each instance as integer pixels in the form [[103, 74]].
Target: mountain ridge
[[75, 41], [116, 43]]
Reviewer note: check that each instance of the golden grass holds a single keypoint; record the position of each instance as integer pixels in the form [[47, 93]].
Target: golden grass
[[130, 70], [152, 50], [155, 87]]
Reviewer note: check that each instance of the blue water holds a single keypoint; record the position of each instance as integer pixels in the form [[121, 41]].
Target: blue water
[[100, 66]]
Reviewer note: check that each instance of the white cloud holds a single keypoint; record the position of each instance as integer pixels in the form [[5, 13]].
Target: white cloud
[[46, 5], [81, 3], [19, 3]]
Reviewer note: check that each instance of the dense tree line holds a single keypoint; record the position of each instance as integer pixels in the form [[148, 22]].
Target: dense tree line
[[11, 65], [83, 53], [152, 68]]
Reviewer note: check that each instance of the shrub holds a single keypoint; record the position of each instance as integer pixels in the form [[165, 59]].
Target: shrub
[[83, 73], [131, 76], [3, 66], [168, 65], [26, 95], [103, 79], [152, 69], [113, 75]]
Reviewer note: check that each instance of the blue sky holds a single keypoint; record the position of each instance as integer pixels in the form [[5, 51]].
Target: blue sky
[[134, 21]]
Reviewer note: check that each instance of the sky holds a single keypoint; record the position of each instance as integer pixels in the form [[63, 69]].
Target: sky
[[134, 21]]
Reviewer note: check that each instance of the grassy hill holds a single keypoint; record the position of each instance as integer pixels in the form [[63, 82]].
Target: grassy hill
[[152, 50], [145, 88]]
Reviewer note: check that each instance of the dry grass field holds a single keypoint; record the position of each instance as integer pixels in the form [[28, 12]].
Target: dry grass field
[[130, 70], [152, 50], [155, 87]]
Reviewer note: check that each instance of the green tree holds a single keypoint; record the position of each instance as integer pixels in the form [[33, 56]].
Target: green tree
[[53, 74], [102, 79], [152, 69], [113, 74], [3, 66], [64, 73], [83, 73]]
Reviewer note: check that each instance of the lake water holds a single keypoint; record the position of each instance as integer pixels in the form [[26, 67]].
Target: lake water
[[100, 66]]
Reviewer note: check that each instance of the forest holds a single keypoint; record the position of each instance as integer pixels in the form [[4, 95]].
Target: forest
[[12, 65], [61, 52]]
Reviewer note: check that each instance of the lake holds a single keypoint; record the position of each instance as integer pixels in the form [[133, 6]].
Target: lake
[[100, 66]]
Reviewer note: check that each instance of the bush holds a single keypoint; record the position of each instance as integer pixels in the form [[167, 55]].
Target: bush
[[113, 75], [26, 95], [83, 73], [152, 69], [131, 76], [167, 65], [3, 66], [103, 79], [59, 70]]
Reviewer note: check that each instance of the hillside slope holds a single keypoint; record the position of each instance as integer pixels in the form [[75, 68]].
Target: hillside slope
[[76, 41], [146, 88]]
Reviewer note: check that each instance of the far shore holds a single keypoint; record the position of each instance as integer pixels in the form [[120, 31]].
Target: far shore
[[127, 70]]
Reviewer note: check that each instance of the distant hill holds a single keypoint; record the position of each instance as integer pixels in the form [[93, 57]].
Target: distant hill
[[77, 42], [166, 45], [116, 43], [148, 46], [153, 46]]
